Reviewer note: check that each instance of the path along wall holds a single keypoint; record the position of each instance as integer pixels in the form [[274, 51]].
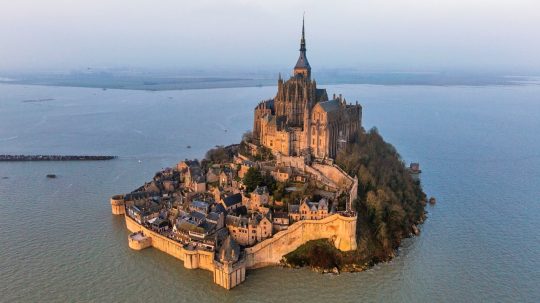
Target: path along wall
[[339, 229]]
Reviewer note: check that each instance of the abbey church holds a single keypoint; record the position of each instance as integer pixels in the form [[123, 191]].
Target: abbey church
[[301, 120]]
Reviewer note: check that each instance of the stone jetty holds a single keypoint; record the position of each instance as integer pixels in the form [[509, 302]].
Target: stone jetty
[[54, 158]]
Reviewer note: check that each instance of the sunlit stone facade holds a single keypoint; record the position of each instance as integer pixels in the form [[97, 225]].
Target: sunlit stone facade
[[301, 120]]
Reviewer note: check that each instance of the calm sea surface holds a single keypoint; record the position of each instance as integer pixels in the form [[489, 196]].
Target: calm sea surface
[[479, 148]]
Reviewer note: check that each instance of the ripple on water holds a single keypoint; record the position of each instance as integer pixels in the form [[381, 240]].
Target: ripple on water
[[477, 146]]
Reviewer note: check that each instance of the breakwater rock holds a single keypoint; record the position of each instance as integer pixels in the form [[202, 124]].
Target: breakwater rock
[[54, 158]]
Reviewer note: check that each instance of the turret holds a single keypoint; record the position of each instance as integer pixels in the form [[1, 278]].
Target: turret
[[118, 205]]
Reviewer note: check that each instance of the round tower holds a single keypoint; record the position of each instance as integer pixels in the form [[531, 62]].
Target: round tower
[[118, 205], [138, 241]]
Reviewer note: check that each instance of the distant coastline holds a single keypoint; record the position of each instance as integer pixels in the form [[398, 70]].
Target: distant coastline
[[160, 82]]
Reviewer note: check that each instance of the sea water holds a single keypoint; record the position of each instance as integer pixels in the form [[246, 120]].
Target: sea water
[[478, 147]]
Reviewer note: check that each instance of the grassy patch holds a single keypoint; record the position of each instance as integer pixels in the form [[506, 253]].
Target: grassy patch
[[319, 253]]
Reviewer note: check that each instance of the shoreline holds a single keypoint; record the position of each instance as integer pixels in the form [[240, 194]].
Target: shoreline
[[270, 83]]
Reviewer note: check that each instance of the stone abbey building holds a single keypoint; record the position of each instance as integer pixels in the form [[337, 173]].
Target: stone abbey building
[[301, 120]]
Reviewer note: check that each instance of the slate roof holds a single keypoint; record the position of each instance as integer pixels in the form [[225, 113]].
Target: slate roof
[[330, 106], [229, 251], [160, 222], [208, 227], [236, 221], [233, 199], [195, 215], [294, 208], [218, 208], [302, 61], [213, 216]]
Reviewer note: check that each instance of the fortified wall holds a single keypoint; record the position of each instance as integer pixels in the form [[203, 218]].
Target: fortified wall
[[341, 230], [192, 258]]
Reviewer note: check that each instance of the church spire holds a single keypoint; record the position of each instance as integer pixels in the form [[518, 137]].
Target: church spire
[[303, 40], [302, 65]]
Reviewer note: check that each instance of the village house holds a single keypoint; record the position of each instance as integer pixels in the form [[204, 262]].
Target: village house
[[232, 202], [213, 173], [199, 206], [217, 218], [159, 225], [193, 174], [281, 174], [280, 221], [309, 210], [145, 212], [249, 230], [226, 177], [258, 198]]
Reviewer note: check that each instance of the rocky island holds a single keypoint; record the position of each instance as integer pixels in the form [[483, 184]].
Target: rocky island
[[308, 186]]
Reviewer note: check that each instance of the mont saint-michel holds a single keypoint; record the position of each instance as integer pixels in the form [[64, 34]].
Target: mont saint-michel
[[307, 186]]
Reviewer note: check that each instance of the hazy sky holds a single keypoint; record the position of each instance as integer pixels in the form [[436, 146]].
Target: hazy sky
[[399, 35]]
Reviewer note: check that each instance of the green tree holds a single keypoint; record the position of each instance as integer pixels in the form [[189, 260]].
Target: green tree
[[252, 179]]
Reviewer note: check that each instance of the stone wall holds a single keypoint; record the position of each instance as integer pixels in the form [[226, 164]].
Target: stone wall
[[334, 173], [136, 242], [197, 258], [225, 275], [299, 163], [339, 229]]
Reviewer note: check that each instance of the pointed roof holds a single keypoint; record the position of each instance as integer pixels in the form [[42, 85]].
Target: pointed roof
[[302, 59], [229, 251]]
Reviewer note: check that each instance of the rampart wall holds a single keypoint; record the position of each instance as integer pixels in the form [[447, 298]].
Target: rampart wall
[[339, 229], [195, 258]]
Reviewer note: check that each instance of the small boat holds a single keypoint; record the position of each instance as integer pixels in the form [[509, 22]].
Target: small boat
[[51, 176], [189, 146], [432, 201]]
